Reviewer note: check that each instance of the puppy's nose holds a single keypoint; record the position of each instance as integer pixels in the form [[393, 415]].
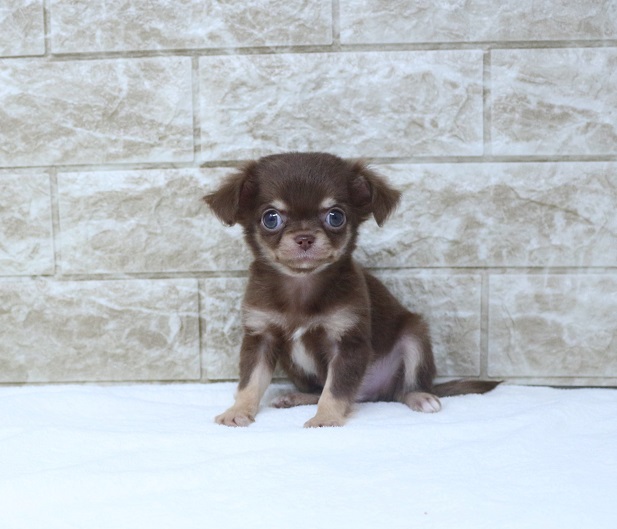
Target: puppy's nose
[[304, 241]]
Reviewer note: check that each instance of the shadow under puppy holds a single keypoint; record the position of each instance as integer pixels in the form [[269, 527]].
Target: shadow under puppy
[[336, 330]]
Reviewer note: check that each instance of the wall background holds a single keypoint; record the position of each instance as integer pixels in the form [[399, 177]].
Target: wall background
[[497, 119]]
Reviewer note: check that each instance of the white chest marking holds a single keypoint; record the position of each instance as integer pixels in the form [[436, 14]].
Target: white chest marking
[[299, 355]]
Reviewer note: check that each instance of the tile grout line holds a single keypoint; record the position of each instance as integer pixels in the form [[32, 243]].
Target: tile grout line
[[55, 221], [396, 271], [484, 323], [195, 89], [406, 160], [47, 28], [336, 26], [336, 46], [202, 300], [486, 99]]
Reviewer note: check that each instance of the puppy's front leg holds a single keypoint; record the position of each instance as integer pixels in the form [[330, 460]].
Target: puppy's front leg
[[331, 408], [257, 362], [345, 373]]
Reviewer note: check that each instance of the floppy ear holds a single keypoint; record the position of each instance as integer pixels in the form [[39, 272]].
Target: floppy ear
[[370, 193], [235, 195]]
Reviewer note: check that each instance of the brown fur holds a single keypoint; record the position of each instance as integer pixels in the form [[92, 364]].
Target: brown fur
[[336, 330]]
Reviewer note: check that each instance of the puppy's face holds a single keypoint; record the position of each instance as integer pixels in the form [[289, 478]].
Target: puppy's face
[[303, 241], [301, 211]]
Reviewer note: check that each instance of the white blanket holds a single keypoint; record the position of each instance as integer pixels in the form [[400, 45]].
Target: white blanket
[[150, 457]]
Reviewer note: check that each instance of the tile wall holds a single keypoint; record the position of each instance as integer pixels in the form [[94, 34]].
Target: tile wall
[[498, 120]]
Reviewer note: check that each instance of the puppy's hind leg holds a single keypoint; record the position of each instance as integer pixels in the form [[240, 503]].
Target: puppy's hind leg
[[422, 401], [291, 400], [418, 366]]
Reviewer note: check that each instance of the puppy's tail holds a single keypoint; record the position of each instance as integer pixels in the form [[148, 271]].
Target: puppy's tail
[[464, 387]]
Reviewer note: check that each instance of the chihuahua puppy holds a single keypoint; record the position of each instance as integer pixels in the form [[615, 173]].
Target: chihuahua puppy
[[338, 333]]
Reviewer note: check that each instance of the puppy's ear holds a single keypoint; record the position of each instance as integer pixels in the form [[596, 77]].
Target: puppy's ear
[[370, 193], [235, 196]]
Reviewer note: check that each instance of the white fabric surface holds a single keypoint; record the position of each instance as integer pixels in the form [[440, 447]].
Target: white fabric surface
[[150, 456]]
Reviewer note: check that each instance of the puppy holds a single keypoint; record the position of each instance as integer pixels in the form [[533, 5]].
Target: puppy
[[338, 333]]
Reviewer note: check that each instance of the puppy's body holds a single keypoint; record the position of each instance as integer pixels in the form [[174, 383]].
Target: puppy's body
[[336, 330]]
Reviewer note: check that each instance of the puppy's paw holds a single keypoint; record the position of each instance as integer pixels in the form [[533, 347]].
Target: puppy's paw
[[424, 402], [291, 400], [235, 417], [320, 422]]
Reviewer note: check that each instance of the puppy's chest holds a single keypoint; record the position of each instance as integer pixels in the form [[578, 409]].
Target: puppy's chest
[[307, 340], [307, 349]]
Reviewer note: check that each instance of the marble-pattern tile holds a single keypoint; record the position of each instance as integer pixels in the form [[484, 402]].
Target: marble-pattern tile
[[400, 21], [553, 326], [52, 331], [450, 303], [221, 306], [100, 111], [554, 101], [26, 244], [22, 30], [144, 221], [511, 214], [80, 26], [353, 104]]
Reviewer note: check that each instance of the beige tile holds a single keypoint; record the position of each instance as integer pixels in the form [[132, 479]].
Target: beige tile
[[99, 331], [388, 21], [451, 305], [553, 326], [554, 101], [124, 110], [144, 221], [512, 214], [352, 104], [22, 30], [26, 244], [80, 26], [221, 304]]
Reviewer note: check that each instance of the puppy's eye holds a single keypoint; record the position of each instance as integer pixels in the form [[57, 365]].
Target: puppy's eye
[[272, 220], [335, 218]]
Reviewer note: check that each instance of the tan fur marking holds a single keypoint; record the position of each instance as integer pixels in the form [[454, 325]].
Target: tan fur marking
[[327, 203], [257, 321], [338, 322], [279, 204], [335, 322]]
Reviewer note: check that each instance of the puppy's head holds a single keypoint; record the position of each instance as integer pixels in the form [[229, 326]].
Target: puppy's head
[[301, 211]]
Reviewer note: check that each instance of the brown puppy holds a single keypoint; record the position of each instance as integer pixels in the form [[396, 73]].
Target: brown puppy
[[336, 330]]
